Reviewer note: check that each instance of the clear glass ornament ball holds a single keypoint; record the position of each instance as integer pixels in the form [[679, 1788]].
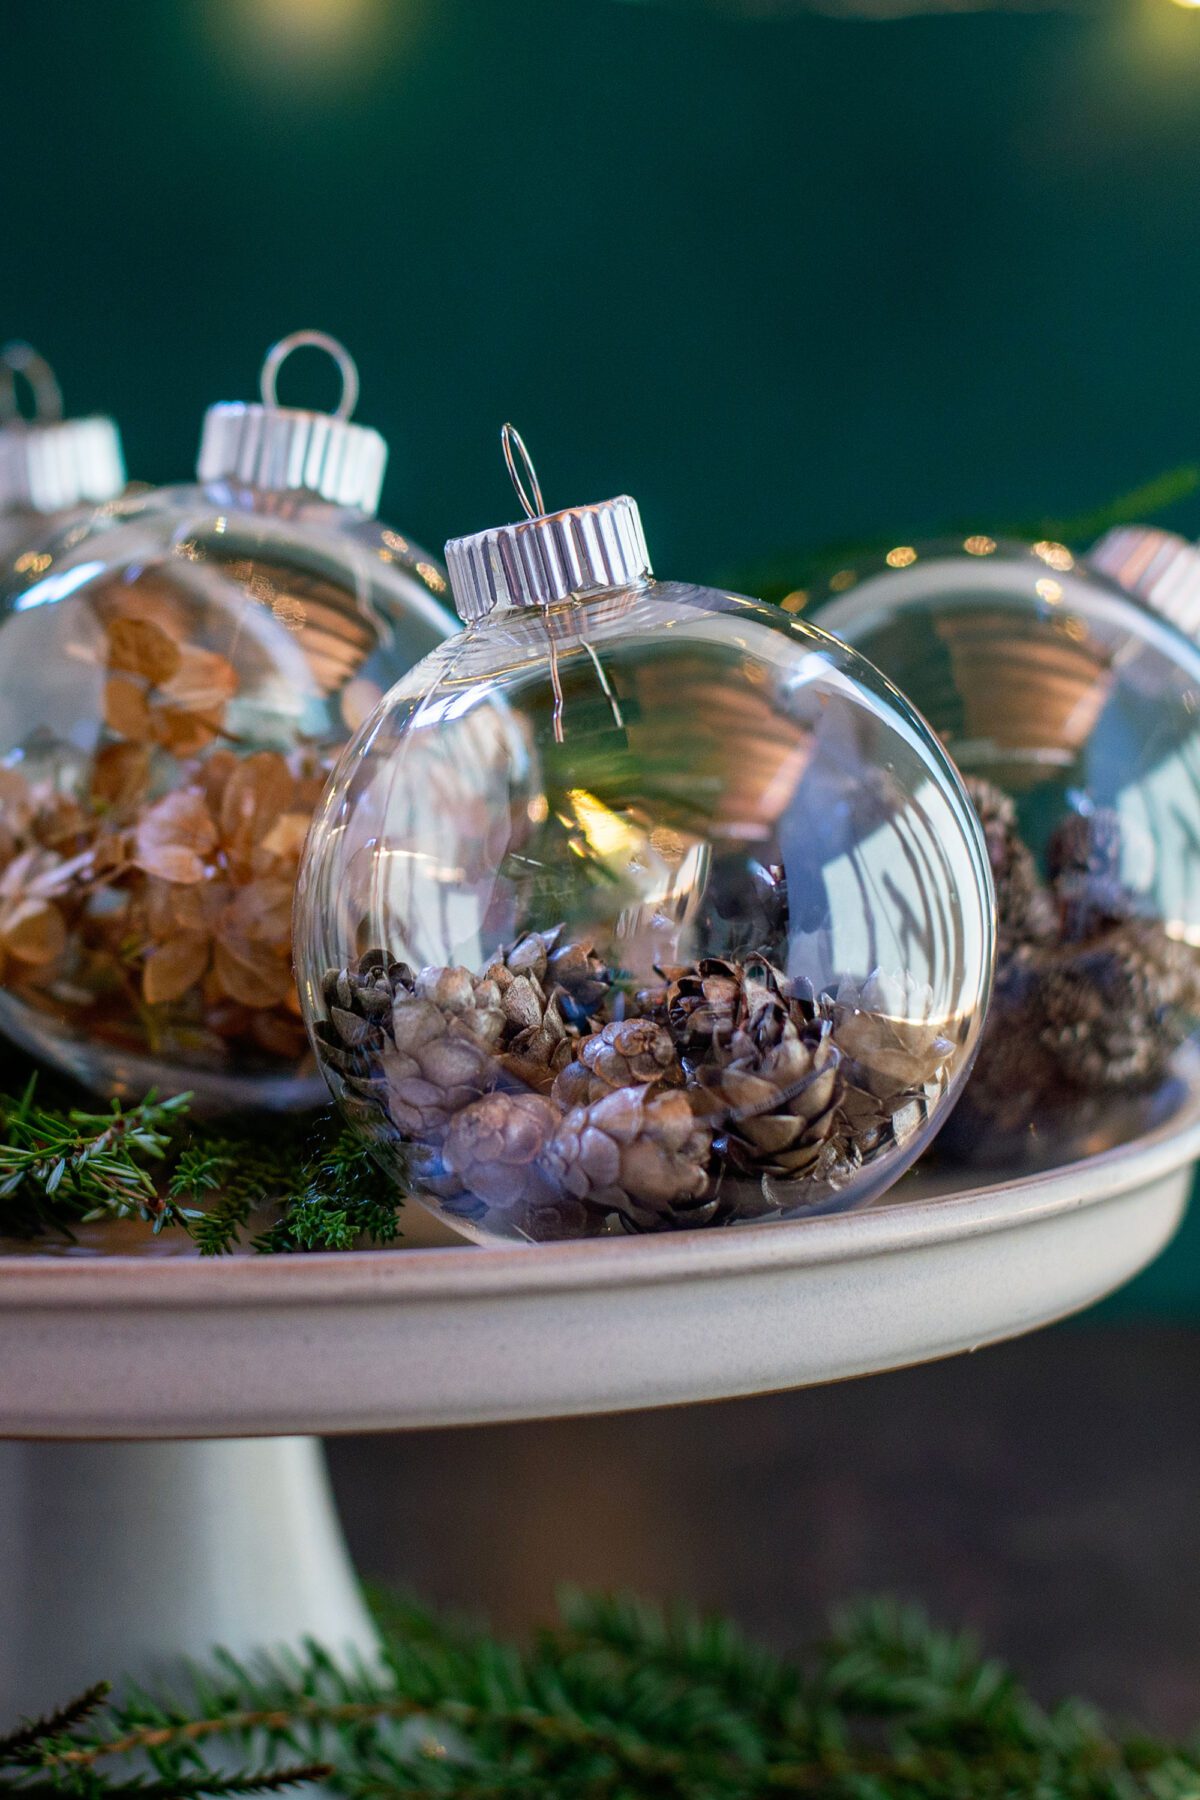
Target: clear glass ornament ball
[[178, 671], [1073, 711], [648, 909]]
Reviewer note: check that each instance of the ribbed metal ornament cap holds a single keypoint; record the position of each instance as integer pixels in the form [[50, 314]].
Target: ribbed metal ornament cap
[[51, 467], [283, 449], [1160, 567], [48, 463], [546, 557]]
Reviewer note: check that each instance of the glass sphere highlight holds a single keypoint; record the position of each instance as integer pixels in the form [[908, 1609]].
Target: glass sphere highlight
[[646, 909], [178, 672], [1073, 712]]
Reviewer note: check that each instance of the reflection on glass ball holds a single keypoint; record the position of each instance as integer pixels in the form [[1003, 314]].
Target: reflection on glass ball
[[651, 910], [178, 672], [1073, 712]]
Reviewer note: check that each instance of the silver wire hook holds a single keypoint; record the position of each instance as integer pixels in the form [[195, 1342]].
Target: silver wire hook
[[278, 354], [513, 445], [17, 358]]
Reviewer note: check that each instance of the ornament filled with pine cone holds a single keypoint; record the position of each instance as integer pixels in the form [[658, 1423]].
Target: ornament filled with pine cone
[[1067, 691], [1093, 998], [639, 907], [725, 1093]]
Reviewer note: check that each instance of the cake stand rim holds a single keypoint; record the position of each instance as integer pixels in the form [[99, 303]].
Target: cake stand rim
[[347, 1276]]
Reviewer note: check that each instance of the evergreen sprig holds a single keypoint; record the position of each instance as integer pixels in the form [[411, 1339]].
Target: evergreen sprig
[[61, 1166], [307, 1185], [54, 1755], [618, 1701]]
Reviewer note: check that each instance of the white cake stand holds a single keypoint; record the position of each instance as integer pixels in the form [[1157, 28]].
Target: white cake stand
[[117, 1556]]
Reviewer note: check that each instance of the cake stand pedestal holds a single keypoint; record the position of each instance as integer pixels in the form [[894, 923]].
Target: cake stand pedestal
[[117, 1557]]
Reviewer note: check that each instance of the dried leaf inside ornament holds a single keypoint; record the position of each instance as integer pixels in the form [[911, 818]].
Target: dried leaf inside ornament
[[146, 891]]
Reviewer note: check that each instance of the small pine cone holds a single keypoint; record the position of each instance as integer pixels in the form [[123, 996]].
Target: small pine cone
[[642, 1154], [536, 1043], [1084, 860], [626, 1053], [575, 1085], [882, 1026], [435, 1065], [493, 1146], [1086, 843], [359, 1003], [528, 956], [1013, 1072], [1117, 1009], [581, 980], [1023, 907], [472, 1001], [775, 1102], [703, 1005]]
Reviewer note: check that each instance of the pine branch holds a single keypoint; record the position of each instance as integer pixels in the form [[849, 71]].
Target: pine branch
[[61, 1166], [22, 1742], [340, 1196], [622, 1701], [210, 1783]]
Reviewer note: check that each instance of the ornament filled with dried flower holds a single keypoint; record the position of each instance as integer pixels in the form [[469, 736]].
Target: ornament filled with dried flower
[[177, 675]]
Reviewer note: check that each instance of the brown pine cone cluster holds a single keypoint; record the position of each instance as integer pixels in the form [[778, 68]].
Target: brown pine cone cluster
[[1092, 997], [540, 1093]]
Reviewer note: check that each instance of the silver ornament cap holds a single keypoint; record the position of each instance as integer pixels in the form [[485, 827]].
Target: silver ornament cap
[[545, 557], [49, 464], [1160, 567], [288, 450], [50, 468]]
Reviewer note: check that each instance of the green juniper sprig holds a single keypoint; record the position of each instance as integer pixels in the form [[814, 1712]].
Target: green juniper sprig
[[67, 1165], [310, 1185], [318, 1176], [52, 1756], [338, 1196], [619, 1700]]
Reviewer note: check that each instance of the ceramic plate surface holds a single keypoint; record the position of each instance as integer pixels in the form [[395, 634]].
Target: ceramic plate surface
[[128, 1347]]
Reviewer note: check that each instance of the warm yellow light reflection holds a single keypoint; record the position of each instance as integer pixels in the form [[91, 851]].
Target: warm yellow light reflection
[[433, 577], [1057, 556], [902, 557], [979, 546], [306, 24], [285, 40], [845, 578], [1050, 591], [796, 601], [606, 831], [33, 563]]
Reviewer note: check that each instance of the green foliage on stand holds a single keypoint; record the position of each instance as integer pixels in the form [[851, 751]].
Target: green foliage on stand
[[617, 1701], [275, 1184]]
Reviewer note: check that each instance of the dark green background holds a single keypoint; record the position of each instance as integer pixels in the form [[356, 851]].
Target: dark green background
[[784, 281]]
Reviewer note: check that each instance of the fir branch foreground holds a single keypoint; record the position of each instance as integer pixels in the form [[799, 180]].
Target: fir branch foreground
[[278, 1185], [617, 1702]]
